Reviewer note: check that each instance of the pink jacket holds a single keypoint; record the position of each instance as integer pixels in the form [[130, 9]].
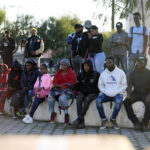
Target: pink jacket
[[45, 85]]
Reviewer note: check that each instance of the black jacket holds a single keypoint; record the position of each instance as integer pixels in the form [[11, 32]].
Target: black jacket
[[87, 83], [96, 44], [80, 44], [14, 77]]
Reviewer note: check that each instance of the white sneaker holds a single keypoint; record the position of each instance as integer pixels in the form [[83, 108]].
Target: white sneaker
[[30, 120], [26, 118], [104, 124]]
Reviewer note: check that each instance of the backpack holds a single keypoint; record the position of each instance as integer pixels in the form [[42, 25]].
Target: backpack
[[17, 100]]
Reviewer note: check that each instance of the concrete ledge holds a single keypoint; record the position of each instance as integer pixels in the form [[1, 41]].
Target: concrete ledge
[[92, 117]]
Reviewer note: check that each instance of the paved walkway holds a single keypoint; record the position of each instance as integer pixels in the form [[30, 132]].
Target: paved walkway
[[10, 126]]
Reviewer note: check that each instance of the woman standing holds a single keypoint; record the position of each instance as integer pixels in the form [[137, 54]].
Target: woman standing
[[96, 54]]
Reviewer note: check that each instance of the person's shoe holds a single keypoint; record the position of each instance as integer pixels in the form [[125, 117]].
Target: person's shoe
[[1, 113], [30, 120], [76, 123], [115, 125], [81, 126], [104, 124], [66, 119], [53, 116], [138, 126], [15, 116], [145, 127], [27, 117]]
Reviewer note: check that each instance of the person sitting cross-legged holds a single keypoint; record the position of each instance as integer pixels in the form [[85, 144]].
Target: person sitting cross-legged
[[112, 83], [87, 91], [139, 90]]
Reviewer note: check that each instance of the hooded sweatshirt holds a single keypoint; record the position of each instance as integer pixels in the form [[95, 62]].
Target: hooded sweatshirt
[[87, 82], [28, 80], [112, 83]]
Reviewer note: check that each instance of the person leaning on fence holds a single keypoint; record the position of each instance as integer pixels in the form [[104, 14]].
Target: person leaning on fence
[[119, 46], [28, 80], [64, 80], [80, 44], [3, 86], [139, 90], [41, 91], [87, 88], [112, 83], [34, 47], [138, 38], [95, 52]]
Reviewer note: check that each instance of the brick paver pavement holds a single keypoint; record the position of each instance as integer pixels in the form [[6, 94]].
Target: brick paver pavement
[[16, 127]]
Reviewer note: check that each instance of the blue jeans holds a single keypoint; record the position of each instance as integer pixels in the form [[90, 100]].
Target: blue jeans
[[102, 98], [28, 96], [98, 62], [63, 100], [35, 105]]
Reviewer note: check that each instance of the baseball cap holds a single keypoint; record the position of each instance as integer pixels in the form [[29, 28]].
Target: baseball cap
[[78, 26], [119, 24]]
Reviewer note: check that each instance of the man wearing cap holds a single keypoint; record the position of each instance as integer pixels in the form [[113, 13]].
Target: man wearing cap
[[34, 47], [139, 90], [138, 38], [7, 48], [79, 48], [119, 46]]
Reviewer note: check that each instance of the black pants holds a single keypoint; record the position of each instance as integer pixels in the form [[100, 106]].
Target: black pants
[[128, 106], [7, 59], [83, 102]]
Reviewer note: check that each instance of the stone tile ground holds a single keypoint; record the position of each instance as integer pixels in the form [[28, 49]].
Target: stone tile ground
[[10, 126]]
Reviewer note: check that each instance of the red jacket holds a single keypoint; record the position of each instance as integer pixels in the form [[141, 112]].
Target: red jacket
[[69, 77], [3, 79]]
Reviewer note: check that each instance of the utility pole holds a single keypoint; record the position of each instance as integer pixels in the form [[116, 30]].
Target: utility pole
[[143, 15], [113, 15]]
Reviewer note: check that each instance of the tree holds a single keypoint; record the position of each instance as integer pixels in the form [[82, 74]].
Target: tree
[[54, 33], [2, 16], [20, 28]]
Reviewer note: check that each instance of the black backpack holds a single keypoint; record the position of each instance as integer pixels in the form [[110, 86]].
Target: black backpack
[[17, 99]]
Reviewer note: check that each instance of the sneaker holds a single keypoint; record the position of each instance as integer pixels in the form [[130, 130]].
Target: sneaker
[[76, 123], [53, 116], [27, 117], [81, 126], [66, 119], [138, 126], [15, 116], [30, 120], [104, 124], [115, 125], [145, 127]]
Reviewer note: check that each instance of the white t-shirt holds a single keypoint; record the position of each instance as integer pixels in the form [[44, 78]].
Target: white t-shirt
[[137, 41]]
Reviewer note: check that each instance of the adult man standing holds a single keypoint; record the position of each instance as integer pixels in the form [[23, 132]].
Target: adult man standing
[[119, 44], [7, 48], [138, 38], [79, 48], [139, 90], [34, 47], [112, 83]]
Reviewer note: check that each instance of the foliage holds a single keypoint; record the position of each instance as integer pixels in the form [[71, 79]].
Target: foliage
[[2, 16], [106, 42]]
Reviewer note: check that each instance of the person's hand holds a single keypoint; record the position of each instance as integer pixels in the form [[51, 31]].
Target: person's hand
[[39, 89], [33, 53]]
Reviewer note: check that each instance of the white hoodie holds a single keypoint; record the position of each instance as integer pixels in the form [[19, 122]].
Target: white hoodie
[[112, 83]]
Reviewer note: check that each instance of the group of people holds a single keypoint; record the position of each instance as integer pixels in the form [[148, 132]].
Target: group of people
[[85, 76]]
